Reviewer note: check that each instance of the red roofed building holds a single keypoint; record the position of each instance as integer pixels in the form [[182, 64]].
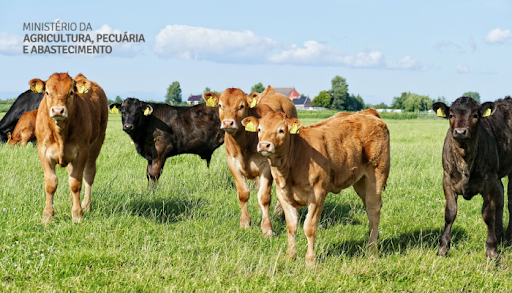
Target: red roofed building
[[290, 92]]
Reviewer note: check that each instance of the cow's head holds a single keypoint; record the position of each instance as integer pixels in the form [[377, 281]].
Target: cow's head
[[464, 116], [134, 114], [233, 107], [60, 93], [274, 132]]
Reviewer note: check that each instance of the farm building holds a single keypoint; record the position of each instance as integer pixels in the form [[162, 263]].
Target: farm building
[[194, 100], [290, 92], [302, 103]]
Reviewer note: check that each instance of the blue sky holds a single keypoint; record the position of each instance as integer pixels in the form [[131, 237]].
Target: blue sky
[[382, 48]]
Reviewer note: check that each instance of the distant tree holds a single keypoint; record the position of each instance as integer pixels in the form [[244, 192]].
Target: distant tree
[[339, 92], [322, 100], [118, 100], [173, 95], [398, 102], [259, 88], [415, 103], [206, 89], [354, 103], [440, 99], [382, 105], [474, 95]]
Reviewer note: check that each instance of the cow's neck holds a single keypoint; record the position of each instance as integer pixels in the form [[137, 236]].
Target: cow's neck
[[283, 162], [242, 141], [464, 154]]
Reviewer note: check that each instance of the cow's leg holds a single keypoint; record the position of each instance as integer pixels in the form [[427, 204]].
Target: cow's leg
[[450, 213], [50, 184], [89, 174], [292, 221], [488, 214], [264, 199], [499, 202], [75, 184], [243, 191], [315, 207], [369, 188], [509, 194]]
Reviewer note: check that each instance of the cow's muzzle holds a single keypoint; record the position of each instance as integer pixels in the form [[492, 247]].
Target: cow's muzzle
[[229, 125], [127, 128], [59, 113], [461, 133], [266, 148]]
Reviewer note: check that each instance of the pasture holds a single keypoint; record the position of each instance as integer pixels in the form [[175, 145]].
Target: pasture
[[184, 235]]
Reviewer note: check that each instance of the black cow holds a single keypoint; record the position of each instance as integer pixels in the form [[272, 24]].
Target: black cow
[[477, 153], [160, 131], [27, 101]]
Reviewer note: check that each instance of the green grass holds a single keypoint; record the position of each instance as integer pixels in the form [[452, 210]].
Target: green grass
[[184, 235]]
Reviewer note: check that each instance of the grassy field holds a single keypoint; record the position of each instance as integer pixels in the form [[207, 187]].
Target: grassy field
[[184, 235]]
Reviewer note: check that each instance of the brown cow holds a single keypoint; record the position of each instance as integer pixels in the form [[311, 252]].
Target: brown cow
[[344, 150], [70, 130], [244, 161], [25, 129]]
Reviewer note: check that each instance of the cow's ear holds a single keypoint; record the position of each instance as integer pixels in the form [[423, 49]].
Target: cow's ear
[[294, 125], [114, 108], [251, 124], [441, 109], [147, 109], [211, 98], [82, 85], [37, 85], [487, 109], [253, 99]]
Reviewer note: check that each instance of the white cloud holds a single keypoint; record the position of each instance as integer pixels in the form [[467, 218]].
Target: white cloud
[[461, 68], [10, 44], [189, 42], [498, 35], [314, 53]]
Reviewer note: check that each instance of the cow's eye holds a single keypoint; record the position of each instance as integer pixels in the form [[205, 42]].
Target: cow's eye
[[47, 93], [241, 106], [475, 116], [451, 116], [281, 130]]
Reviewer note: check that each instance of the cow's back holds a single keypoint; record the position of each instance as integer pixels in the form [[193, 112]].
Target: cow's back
[[25, 102], [346, 144], [272, 101], [500, 126]]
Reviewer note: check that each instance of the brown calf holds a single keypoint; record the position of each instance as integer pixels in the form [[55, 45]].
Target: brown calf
[[70, 130], [244, 161], [344, 150], [25, 129]]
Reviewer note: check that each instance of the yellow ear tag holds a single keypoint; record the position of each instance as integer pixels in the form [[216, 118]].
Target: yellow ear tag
[[250, 127], [487, 112], [114, 110], [440, 113], [210, 102], [254, 102], [146, 112], [39, 87], [81, 89], [295, 128], [9, 136]]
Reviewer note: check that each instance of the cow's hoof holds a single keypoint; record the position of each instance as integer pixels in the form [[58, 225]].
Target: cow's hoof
[[47, 216], [311, 262], [268, 233], [77, 215], [491, 252], [86, 206], [245, 223], [442, 251]]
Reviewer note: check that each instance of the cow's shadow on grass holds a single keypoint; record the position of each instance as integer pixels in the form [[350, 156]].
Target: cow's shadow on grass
[[163, 211], [160, 209], [399, 243], [332, 215]]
